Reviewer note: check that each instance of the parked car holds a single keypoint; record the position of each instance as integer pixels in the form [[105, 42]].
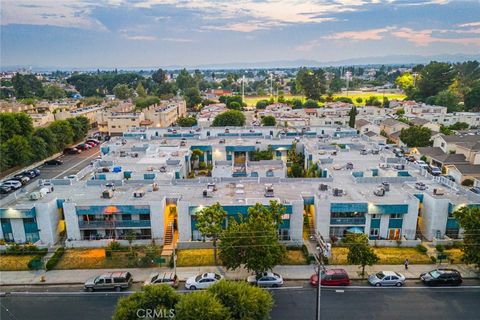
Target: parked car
[[449, 177], [202, 281], [32, 173], [434, 171], [170, 279], [109, 281], [386, 278], [54, 162], [411, 159], [14, 184], [441, 277], [94, 141], [331, 277], [91, 144], [70, 177], [84, 146], [72, 151], [5, 189], [420, 186], [475, 190], [266, 279], [24, 179]]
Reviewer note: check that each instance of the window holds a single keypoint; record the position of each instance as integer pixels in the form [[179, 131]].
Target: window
[[374, 232], [108, 280], [375, 216], [144, 217], [395, 216]]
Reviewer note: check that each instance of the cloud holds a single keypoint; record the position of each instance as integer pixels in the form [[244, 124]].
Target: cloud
[[470, 24], [372, 34], [141, 38], [425, 37], [69, 13], [181, 40]]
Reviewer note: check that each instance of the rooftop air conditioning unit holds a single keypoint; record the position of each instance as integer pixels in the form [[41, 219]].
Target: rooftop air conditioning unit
[[337, 192], [379, 191], [323, 187], [438, 192], [386, 186], [107, 194], [139, 193]]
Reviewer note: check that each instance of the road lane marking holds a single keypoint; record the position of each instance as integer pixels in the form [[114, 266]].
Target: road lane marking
[[76, 165], [340, 291]]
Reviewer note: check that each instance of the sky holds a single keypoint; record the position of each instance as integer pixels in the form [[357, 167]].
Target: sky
[[148, 33]]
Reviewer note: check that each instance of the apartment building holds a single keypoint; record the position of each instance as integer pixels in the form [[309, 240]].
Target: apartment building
[[140, 187]]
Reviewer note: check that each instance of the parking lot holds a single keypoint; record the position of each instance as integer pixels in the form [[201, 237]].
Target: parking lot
[[71, 165]]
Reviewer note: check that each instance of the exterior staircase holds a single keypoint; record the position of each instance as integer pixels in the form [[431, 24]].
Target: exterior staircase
[[168, 243]]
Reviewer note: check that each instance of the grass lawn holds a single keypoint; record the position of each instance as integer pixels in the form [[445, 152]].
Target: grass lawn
[[96, 259], [386, 255], [294, 257], [252, 100], [204, 257], [14, 262], [454, 254]]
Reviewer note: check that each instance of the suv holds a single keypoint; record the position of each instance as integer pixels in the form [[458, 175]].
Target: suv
[[331, 277], [441, 277], [434, 171], [14, 184], [54, 162], [110, 281], [72, 151]]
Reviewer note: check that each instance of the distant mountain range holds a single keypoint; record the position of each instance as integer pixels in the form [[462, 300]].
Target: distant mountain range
[[365, 61]]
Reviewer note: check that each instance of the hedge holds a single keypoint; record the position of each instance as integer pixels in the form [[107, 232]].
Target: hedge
[[52, 262]]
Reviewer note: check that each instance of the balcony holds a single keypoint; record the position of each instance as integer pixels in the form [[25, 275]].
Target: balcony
[[348, 221], [119, 224]]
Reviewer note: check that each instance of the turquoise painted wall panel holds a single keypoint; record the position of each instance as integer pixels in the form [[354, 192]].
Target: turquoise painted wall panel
[[122, 209], [388, 209], [349, 207], [395, 223]]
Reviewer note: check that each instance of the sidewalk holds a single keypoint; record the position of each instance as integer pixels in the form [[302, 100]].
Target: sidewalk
[[301, 272]]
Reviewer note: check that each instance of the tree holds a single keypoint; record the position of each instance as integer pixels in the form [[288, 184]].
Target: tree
[[467, 73], [310, 104], [27, 86], [400, 112], [311, 83], [229, 118], [359, 252], [472, 98], [161, 298], [405, 81], [210, 224], [352, 114], [261, 104], [159, 76], [373, 101], [192, 97], [242, 300], [459, 126], [39, 148], [435, 77], [122, 92], [47, 135], [140, 90], [184, 80], [16, 151], [53, 92], [187, 121], [448, 99], [63, 133], [142, 103], [336, 84], [297, 104], [359, 100], [253, 242], [200, 306], [416, 136], [268, 121], [469, 220], [234, 105]]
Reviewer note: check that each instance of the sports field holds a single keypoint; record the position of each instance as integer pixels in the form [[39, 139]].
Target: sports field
[[252, 100]]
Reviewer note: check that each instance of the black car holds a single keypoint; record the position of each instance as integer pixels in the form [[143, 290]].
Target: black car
[[475, 190], [5, 189], [441, 277], [54, 162], [72, 151]]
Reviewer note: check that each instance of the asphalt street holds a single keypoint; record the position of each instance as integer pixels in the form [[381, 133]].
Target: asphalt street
[[71, 165], [290, 303]]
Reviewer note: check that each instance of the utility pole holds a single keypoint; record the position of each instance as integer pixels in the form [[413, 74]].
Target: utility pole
[[323, 249], [271, 84], [243, 89]]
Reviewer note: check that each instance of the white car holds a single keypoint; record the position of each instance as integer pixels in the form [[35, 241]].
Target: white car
[[202, 281], [14, 184], [386, 278], [70, 177], [266, 279]]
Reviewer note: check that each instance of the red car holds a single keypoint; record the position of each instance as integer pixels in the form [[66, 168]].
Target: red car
[[92, 144], [331, 277], [84, 146]]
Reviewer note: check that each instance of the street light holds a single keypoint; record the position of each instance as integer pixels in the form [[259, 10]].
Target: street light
[[323, 249]]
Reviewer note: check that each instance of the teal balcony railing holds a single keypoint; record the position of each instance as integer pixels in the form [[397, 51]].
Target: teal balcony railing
[[119, 224]]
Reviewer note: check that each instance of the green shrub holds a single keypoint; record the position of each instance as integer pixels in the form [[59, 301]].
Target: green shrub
[[202, 165], [434, 260], [52, 262], [35, 263], [457, 245], [115, 246], [108, 252], [421, 248], [17, 249], [440, 247]]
